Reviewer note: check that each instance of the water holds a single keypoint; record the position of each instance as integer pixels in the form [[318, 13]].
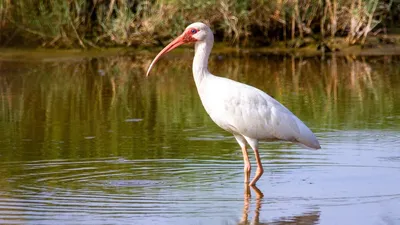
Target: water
[[93, 141]]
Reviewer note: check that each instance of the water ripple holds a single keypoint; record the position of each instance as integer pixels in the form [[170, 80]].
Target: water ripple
[[91, 190]]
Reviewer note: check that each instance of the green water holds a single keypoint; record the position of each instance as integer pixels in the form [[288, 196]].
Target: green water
[[91, 140]]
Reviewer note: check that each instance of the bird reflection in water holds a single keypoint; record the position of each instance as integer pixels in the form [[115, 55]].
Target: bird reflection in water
[[309, 218], [246, 205]]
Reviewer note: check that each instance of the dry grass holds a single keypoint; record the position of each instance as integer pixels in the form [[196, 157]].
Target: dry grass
[[81, 23]]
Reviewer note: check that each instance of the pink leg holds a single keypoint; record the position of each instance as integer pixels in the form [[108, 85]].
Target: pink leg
[[247, 166], [260, 169]]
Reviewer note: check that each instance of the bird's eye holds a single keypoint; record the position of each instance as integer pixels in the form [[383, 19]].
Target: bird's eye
[[193, 31]]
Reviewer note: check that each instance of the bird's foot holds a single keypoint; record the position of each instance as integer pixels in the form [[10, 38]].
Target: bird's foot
[[258, 192], [247, 192], [252, 183], [259, 173]]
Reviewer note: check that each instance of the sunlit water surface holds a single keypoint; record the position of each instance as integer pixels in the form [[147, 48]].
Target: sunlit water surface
[[93, 141]]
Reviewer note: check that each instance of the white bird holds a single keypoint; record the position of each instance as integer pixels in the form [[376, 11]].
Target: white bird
[[245, 111]]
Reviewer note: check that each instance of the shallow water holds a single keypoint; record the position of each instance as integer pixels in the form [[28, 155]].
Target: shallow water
[[93, 141]]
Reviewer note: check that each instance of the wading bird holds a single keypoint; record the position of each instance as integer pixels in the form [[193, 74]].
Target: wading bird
[[245, 111]]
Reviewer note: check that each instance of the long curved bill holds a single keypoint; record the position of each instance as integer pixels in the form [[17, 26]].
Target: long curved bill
[[175, 43]]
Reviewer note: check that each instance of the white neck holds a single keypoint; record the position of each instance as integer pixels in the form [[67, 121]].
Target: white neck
[[200, 61]]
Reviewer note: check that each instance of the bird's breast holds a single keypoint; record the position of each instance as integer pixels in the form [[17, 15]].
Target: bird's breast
[[236, 115], [241, 110]]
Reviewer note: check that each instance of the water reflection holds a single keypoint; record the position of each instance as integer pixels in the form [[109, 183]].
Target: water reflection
[[308, 218], [246, 206], [94, 141], [109, 101]]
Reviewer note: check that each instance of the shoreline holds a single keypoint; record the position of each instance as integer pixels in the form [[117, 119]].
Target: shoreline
[[42, 54]]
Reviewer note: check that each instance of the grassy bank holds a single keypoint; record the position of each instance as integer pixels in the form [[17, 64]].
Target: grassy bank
[[92, 24]]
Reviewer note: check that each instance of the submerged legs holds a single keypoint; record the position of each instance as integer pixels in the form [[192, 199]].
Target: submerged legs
[[259, 171], [242, 140]]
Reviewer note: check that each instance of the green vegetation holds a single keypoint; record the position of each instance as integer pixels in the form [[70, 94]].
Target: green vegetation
[[91, 23]]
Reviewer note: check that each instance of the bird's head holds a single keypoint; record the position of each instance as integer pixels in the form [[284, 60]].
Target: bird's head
[[195, 32]]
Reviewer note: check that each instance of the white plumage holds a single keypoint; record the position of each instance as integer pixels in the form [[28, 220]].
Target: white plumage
[[247, 112], [244, 110]]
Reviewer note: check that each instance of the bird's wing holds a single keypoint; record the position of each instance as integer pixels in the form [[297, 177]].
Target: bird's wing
[[253, 113], [266, 116], [287, 126]]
